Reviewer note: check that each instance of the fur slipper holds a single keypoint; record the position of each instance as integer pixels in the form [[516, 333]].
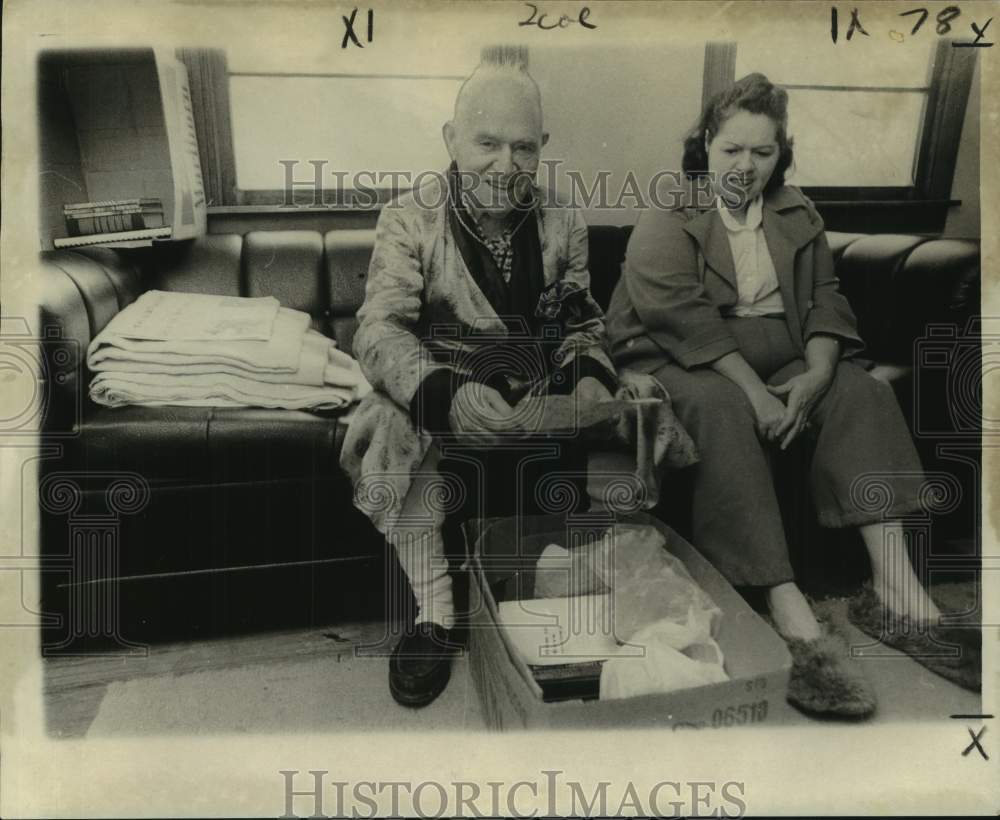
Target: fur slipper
[[926, 644], [824, 681]]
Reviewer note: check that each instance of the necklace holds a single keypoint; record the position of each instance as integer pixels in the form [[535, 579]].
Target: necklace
[[473, 231]]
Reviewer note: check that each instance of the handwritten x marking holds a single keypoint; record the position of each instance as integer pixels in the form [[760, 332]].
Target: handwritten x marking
[[976, 744], [981, 32], [349, 30]]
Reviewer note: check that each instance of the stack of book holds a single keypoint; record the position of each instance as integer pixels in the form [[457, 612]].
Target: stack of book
[[113, 216], [569, 681], [563, 642]]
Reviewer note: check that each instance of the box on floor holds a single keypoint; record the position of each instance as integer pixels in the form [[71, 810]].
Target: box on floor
[[756, 658]]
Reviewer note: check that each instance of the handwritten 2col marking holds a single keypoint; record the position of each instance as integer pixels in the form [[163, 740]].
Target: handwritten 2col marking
[[563, 21]]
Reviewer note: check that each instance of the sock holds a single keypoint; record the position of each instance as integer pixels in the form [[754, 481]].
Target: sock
[[435, 602], [427, 569]]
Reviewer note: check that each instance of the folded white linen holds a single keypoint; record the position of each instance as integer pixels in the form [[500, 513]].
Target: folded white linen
[[281, 353], [169, 315], [213, 389], [314, 360]]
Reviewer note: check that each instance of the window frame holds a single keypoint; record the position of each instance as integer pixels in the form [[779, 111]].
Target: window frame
[[927, 200], [276, 199]]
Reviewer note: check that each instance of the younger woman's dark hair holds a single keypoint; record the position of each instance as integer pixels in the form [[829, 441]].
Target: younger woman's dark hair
[[756, 94]]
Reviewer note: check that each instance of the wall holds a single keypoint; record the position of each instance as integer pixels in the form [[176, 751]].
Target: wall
[[618, 110], [102, 134], [963, 221], [121, 132], [60, 176]]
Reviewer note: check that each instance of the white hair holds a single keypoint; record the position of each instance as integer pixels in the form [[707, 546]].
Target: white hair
[[501, 62]]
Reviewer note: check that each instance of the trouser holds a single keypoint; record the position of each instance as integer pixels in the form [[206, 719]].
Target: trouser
[[523, 478], [861, 446]]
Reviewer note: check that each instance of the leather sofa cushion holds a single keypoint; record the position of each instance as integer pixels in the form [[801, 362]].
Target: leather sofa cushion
[[165, 445], [606, 249], [942, 277], [289, 266], [346, 256], [898, 285], [839, 241], [208, 264], [250, 444], [82, 290], [207, 445], [100, 296], [123, 273]]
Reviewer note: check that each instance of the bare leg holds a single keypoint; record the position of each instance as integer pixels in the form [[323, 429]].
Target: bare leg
[[893, 577], [791, 612]]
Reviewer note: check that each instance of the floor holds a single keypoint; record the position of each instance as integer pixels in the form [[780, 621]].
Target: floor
[[335, 678]]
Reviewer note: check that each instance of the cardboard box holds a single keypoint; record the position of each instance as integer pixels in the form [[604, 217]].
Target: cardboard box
[[756, 658]]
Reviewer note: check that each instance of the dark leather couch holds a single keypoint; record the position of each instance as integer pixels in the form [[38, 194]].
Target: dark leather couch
[[184, 520]]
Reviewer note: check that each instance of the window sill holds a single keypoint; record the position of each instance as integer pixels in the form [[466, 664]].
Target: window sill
[[237, 210], [887, 203], [906, 216]]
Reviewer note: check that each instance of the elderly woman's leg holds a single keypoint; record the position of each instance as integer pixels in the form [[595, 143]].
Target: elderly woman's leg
[[736, 520], [737, 524], [866, 473], [893, 577], [791, 612]]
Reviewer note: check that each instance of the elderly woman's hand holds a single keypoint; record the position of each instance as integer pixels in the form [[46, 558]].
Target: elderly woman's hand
[[769, 411], [801, 393]]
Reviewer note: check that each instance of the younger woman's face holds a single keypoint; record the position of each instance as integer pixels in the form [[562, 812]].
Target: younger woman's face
[[745, 151]]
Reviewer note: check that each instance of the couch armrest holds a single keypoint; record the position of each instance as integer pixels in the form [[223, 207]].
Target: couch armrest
[[80, 293]]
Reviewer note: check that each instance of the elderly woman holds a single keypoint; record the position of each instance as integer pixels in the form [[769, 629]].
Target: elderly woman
[[731, 301]]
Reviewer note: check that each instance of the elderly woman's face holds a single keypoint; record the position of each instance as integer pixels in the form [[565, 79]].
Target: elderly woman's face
[[743, 155]]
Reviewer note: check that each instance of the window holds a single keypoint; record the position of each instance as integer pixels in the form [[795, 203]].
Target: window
[[855, 123], [355, 124], [357, 115], [874, 134]]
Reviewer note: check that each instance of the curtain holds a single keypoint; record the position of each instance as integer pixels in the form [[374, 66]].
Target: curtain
[[208, 79], [720, 70]]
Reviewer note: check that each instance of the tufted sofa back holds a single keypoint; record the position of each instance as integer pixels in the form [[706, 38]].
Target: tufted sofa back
[[897, 285]]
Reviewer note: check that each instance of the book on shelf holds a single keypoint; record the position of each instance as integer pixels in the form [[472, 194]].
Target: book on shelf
[[106, 222], [89, 218], [112, 204], [154, 180], [114, 237]]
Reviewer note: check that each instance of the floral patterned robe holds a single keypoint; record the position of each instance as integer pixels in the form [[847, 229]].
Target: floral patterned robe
[[419, 299]]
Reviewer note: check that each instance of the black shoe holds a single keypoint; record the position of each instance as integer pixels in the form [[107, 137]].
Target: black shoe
[[420, 665]]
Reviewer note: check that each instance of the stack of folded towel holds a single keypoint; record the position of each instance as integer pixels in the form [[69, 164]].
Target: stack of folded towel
[[219, 351]]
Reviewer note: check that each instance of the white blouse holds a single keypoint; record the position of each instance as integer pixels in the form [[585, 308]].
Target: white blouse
[[756, 280]]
